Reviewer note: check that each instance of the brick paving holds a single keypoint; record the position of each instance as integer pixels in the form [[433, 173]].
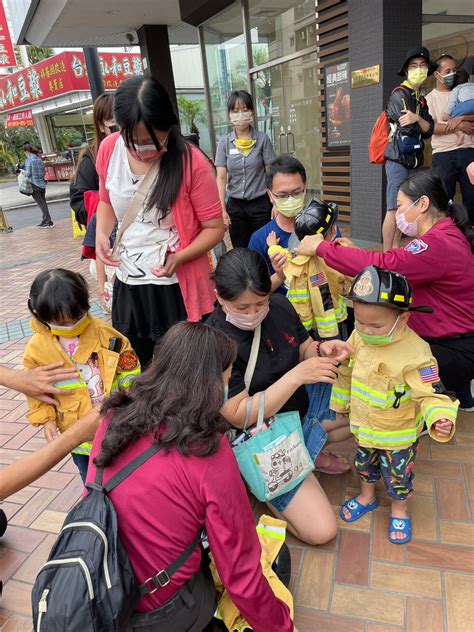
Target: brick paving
[[356, 583]]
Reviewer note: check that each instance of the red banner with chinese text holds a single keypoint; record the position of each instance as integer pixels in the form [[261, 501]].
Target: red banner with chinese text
[[61, 74], [7, 55], [20, 119]]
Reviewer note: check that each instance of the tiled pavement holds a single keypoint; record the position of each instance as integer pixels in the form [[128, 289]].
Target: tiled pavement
[[356, 583]]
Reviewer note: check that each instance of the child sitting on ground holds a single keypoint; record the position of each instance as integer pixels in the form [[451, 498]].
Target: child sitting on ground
[[65, 332], [315, 290], [461, 102], [388, 387]]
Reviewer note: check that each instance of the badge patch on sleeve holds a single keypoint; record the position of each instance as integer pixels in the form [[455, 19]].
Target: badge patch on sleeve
[[128, 360], [429, 373], [416, 246]]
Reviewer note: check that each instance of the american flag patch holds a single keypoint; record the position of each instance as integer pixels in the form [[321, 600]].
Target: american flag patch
[[429, 373], [317, 279]]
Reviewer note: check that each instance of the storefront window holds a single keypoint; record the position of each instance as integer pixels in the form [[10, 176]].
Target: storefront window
[[226, 59], [277, 32]]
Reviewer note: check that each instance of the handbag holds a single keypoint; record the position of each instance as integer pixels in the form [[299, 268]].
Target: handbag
[[24, 184], [275, 459], [408, 145]]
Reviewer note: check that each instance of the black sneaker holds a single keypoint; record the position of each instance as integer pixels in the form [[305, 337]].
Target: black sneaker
[[47, 225], [40, 225]]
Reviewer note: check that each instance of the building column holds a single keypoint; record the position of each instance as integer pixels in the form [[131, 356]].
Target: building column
[[156, 56], [46, 141], [380, 32]]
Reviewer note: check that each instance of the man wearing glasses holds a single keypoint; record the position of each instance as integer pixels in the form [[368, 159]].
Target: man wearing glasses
[[286, 187]]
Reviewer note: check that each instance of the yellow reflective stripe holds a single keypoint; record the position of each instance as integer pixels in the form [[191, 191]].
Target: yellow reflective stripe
[[326, 319], [277, 533], [378, 437], [84, 448], [440, 412], [341, 309], [217, 614], [300, 297], [69, 385], [125, 379]]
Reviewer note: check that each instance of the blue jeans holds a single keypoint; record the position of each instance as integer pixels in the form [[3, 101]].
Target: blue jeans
[[315, 439], [82, 463]]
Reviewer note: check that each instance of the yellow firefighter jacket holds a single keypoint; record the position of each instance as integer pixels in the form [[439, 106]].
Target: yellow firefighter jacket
[[388, 391], [316, 292], [116, 369]]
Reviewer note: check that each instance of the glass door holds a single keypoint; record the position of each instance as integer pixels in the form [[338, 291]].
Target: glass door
[[287, 110]]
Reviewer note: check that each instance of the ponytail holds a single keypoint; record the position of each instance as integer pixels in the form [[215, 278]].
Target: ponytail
[[430, 184]]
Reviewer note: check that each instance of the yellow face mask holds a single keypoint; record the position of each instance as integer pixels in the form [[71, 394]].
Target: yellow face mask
[[416, 76], [70, 331]]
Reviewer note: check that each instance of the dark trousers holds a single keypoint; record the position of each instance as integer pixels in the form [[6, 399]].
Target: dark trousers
[[39, 196], [190, 609], [246, 217], [81, 461], [455, 358], [451, 167]]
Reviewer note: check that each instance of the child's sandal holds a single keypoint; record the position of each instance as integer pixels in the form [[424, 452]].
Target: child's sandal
[[399, 525], [356, 509]]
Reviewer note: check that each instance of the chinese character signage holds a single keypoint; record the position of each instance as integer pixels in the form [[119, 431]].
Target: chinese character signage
[[365, 76], [63, 73], [20, 119], [7, 55], [338, 105]]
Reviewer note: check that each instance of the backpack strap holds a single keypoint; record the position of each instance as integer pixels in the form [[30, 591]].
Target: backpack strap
[[126, 471], [163, 577]]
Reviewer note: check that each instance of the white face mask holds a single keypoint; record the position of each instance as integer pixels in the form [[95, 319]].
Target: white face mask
[[241, 120]]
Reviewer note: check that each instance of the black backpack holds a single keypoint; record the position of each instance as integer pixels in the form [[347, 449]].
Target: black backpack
[[88, 583]]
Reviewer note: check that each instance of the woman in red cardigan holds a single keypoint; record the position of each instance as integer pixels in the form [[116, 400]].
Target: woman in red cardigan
[[162, 275]]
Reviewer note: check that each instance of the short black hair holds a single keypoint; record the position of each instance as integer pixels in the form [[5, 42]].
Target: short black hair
[[284, 164], [240, 95], [58, 294], [239, 270]]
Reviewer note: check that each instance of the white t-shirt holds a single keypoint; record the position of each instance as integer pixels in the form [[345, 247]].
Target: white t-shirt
[[438, 105], [146, 241]]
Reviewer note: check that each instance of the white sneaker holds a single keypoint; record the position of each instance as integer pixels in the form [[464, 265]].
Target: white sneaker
[[467, 410]]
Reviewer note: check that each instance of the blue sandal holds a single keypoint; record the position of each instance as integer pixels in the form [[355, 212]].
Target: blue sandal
[[356, 509], [400, 525]]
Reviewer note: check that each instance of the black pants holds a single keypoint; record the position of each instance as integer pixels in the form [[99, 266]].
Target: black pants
[[451, 167], [39, 196], [191, 609], [246, 217], [455, 357]]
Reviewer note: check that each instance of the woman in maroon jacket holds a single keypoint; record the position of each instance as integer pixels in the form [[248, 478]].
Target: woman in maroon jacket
[[192, 483], [438, 263]]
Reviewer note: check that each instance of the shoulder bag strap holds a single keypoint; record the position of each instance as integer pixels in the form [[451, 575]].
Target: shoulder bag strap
[[137, 201], [253, 357], [127, 470]]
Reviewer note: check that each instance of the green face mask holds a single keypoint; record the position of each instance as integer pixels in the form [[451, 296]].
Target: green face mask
[[291, 206], [416, 76], [385, 339]]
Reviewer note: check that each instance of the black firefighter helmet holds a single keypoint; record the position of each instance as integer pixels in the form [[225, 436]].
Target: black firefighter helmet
[[384, 287], [317, 218]]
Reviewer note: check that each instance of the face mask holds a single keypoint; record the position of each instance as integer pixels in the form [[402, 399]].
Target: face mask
[[407, 228], [70, 331], [291, 206], [241, 120], [247, 322], [449, 80], [146, 153], [416, 76], [385, 339]]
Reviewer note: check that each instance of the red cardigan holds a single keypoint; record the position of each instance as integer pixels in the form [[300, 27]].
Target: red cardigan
[[197, 201]]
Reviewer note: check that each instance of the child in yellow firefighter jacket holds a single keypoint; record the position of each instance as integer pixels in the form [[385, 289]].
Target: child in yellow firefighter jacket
[[65, 332], [390, 388], [315, 290]]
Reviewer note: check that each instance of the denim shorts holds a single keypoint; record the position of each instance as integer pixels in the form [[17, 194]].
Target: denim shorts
[[396, 176], [314, 438]]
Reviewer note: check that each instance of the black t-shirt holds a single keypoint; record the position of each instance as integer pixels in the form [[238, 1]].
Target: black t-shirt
[[282, 335]]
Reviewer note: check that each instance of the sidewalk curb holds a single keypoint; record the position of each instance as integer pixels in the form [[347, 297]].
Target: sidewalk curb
[[28, 204]]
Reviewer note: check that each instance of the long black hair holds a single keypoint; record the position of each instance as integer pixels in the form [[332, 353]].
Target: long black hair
[[239, 270], [177, 399], [144, 99], [57, 295], [430, 184]]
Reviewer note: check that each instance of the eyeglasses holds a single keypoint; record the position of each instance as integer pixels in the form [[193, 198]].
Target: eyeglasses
[[285, 196]]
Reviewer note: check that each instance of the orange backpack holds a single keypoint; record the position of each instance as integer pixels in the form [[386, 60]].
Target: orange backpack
[[379, 137]]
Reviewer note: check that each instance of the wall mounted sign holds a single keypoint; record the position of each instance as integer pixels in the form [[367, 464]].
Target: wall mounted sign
[[365, 76], [338, 105]]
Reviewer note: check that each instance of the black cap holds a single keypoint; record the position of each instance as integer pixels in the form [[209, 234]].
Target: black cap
[[421, 51], [317, 218], [383, 287]]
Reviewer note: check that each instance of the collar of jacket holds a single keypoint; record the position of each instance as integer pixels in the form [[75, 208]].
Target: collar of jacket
[[89, 338]]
